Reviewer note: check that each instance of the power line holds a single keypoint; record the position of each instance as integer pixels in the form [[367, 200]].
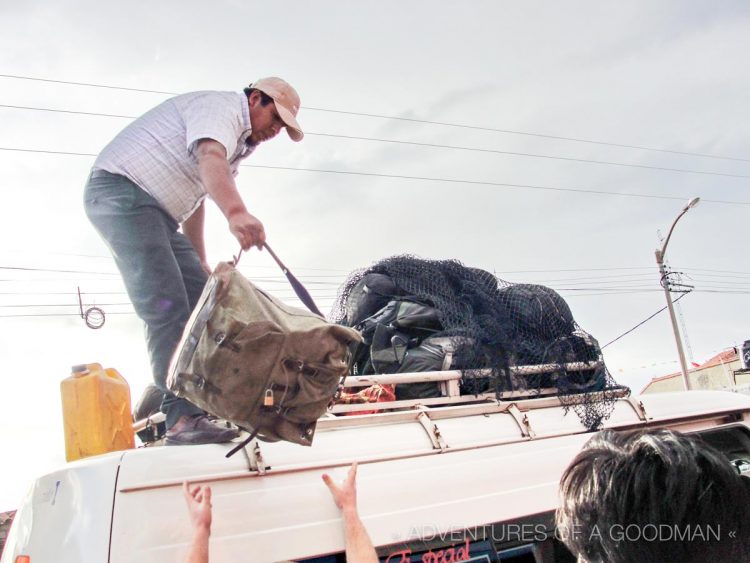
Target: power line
[[440, 146], [61, 292], [621, 289], [716, 271], [642, 276], [19, 77], [56, 271], [578, 270], [632, 281], [533, 155], [41, 151], [25, 279], [30, 305], [249, 268], [329, 299], [72, 112], [715, 276], [713, 281], [280, 279], [642, 322], [702, 282], [586, 281], [542, 135], [40, 252], [62, 314], [492, 184], [410, 120], [429, 179], [242, 267], [604, 294], [723, 291], [332, 280]]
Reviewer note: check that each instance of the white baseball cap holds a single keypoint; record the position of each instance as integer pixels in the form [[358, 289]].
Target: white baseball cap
[[286, 100]]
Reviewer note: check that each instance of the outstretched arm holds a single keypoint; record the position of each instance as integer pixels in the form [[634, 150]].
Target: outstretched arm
[[359, 548], [198, 500], [217, 178]]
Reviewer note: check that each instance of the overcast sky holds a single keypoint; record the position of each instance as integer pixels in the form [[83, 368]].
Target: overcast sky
[[543, 87]]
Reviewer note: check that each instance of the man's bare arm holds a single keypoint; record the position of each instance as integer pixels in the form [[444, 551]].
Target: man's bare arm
[[217, 178], [359, 548]]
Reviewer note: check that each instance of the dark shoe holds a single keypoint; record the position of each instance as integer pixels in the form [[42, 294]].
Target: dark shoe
[[192, 430], [149, 403]]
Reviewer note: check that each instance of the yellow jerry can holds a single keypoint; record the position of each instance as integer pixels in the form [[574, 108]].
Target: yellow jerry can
[[96, 412]]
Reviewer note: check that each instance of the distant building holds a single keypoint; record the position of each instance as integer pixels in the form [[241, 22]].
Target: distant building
[[722, 372]]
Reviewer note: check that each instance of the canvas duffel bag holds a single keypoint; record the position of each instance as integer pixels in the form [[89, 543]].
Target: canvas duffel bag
[[248, 358]]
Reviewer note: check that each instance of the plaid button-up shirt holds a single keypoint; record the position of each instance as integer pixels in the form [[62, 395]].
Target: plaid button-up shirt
[[156, 151]]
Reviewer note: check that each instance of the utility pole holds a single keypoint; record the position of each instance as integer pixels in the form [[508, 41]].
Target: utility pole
[[678, 306], [664, 281]]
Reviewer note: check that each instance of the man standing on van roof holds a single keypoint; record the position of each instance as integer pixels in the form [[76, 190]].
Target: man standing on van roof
[[153, 179]]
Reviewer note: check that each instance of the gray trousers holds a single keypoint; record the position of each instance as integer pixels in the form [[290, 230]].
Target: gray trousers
[[160, 268]]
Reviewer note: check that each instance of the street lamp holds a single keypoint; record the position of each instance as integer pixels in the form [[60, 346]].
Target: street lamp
[[665, 284]]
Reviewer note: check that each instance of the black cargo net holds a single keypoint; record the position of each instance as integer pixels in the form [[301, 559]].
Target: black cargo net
[[514, 339]]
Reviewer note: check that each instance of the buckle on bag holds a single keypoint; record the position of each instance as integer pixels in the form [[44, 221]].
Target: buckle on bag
[[299, 366], [200, 383], [337, 394]]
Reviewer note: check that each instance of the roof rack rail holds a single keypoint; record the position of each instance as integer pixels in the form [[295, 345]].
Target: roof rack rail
[[449, 386]]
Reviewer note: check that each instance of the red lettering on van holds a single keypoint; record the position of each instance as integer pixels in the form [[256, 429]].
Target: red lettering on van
[[399, 556], [462, 553], [450, 555]]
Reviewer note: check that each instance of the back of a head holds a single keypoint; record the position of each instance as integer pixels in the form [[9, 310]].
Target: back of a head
[[655, 496]]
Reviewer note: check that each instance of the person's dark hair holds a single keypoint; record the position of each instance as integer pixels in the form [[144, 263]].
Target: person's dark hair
[[655, 496], [265, 99]]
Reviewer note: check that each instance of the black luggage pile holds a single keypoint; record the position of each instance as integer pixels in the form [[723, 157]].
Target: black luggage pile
[[424, 315]]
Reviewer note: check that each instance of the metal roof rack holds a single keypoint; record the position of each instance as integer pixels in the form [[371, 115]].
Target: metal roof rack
[[449, 386]]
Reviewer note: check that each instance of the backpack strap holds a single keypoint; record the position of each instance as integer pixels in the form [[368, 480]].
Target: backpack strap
[[298, 288], [243, 443]]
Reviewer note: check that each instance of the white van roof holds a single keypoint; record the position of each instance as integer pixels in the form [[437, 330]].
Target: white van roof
[[423, 472]]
